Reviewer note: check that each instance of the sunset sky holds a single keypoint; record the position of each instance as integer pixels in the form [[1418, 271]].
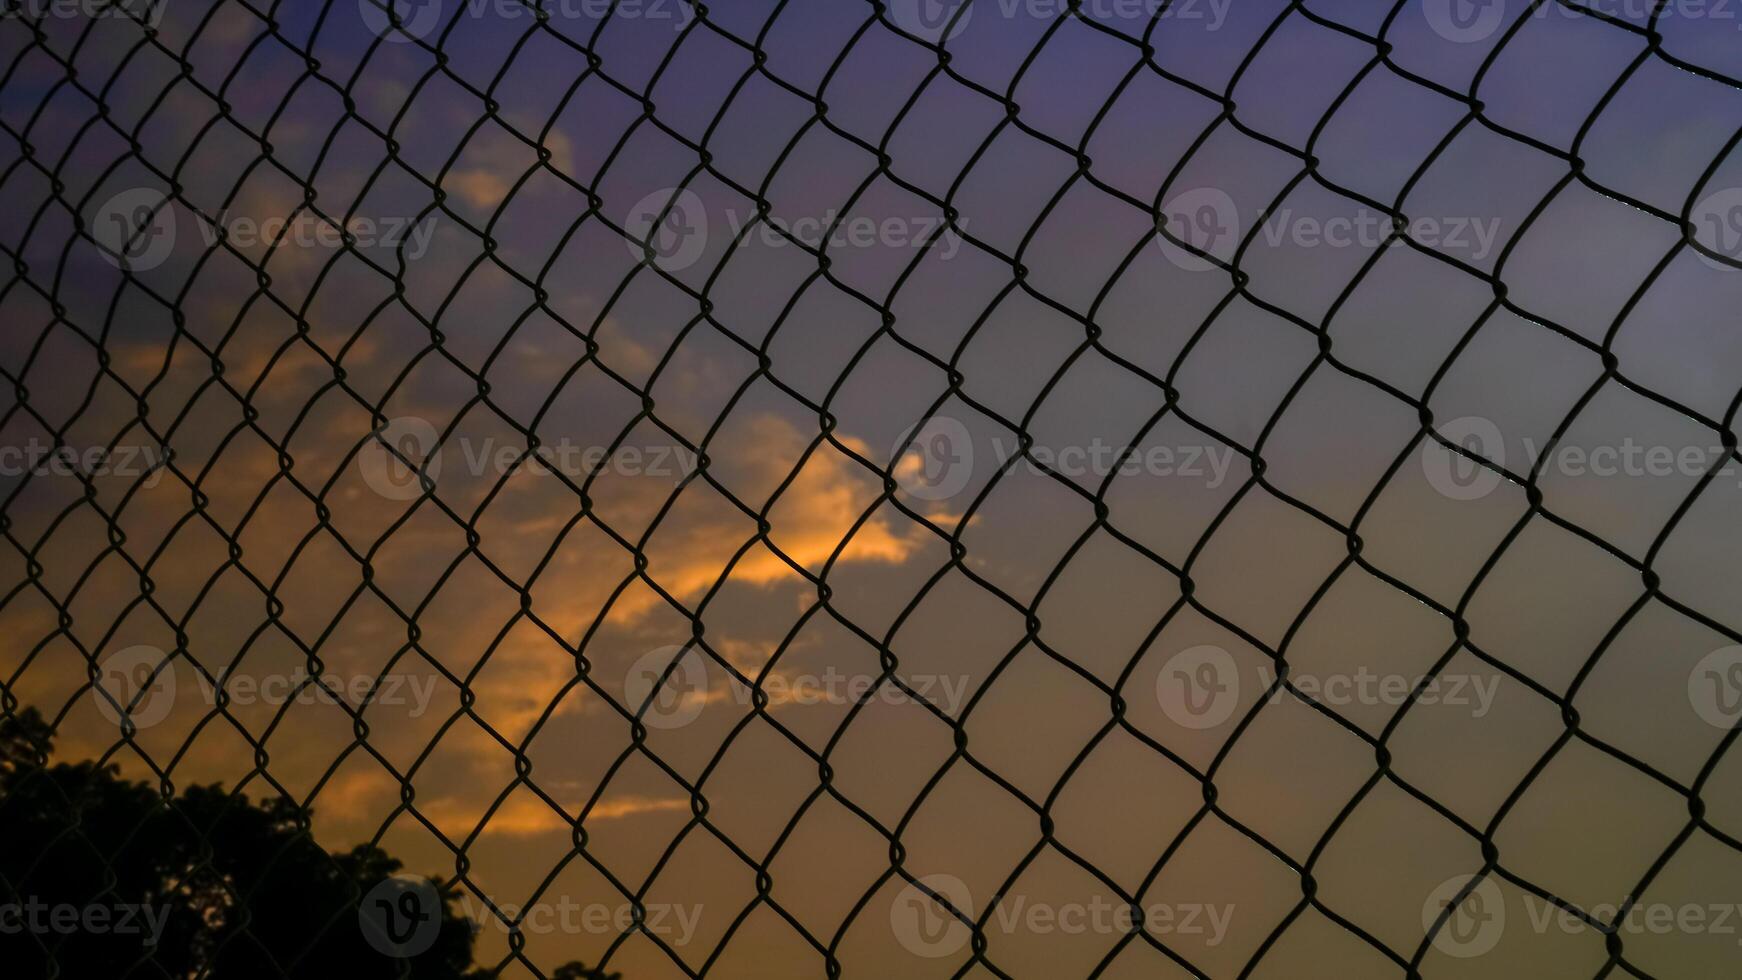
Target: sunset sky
[[964, 422]]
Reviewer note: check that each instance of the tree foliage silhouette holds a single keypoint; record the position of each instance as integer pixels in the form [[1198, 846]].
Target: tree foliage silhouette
[[103, 878]]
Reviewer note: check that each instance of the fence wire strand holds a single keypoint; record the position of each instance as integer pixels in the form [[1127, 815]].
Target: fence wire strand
[[50, 286]]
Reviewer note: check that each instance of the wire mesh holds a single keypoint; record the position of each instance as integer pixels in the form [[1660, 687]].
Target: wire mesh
[[48, 60]]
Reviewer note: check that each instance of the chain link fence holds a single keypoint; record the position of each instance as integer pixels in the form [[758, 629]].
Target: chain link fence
[[270, 264]]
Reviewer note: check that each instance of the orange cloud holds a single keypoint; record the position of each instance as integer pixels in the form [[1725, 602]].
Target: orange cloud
[[528, 816]]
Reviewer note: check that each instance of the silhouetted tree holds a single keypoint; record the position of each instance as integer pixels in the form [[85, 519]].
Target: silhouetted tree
[[102, 878]]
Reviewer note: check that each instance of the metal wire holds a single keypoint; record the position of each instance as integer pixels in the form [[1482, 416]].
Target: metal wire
[[50, 287]]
